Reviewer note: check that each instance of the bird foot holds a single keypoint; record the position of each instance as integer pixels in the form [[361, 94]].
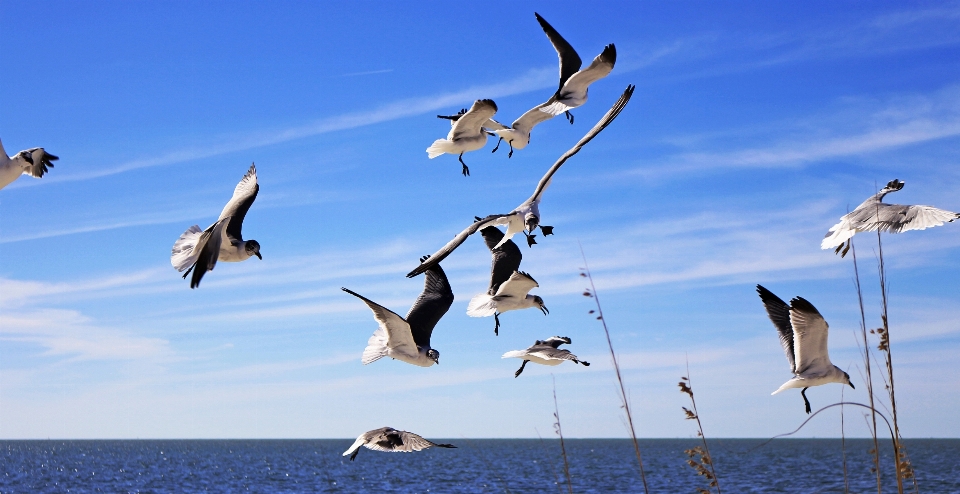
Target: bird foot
[[510, 154], [569, 116], [547, 230], [845, 249], [806, 402], [466, 171], [496, 328], [530, 239], [495, 148]]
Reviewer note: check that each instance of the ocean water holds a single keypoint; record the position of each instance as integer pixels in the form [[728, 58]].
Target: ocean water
[[478, 465]]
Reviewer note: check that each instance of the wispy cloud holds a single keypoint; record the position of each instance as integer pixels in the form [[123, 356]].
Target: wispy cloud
[[369, 72]]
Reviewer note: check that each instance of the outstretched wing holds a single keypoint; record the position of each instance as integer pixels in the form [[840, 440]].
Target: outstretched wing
[[569, 60], [598, 69], [531, 118], [779, 313], [42, 160], [209, 245], [506, 258], [396, 328], [469, 123], [893, 218], [518, 285], [602, 124], [243, 196], [810, 336], [430, 306], [440, 255], [548, 352]]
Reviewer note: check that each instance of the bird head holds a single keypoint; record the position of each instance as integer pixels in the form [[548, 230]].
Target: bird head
[[433, 355], [253, 249], [532, 221], [847, 377], [894, 184], [539, 301]]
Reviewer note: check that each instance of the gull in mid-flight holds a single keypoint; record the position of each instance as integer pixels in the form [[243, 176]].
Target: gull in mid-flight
[[517, 134], [392, 440], [573, 81], [199, 250], [526, 215], [803, 335], [466, 132], [545, 352], [509, 288], [408, 339], [873, 215], [33, 162]]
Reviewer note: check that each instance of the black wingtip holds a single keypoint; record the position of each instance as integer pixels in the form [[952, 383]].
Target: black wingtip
[[609, 53], [803, 305]]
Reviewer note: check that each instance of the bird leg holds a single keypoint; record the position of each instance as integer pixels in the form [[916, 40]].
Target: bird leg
[[569, 116], [524, 364], [495, 148], [510, 154], [496, 328], [547, 230], [466, 171], [530, 240], [805, 400], [845, 249]]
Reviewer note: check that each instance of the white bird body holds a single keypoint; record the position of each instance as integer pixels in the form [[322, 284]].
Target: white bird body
[[803, 335], [545, 352], [873, 215], [33, 162]]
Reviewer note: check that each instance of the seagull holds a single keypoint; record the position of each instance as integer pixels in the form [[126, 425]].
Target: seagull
[[199, 250], [517, 134], [466, 132], [526, 215], [409, 339], [545, 352], [509, 288], [392, 440], [873, 215], [33, 162], [803, 334], [573, 81]]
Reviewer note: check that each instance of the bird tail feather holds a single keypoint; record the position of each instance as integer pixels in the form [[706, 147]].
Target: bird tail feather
[[793, 383], [438, 147], [482, 305], [514, 354], [376, 347], [555, 108], [184, 253]]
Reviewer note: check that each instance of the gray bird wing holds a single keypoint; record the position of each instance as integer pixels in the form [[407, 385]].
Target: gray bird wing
[[209, 245], [569, 60], [42, 160], [243, 196], [430, 306], [364, 438], [556, 341], [517, 286], [810, 337], [470, 123], [548, 352], [505, 259], [399, 442], [440, 255], [598, 69], [531, 118], [494, 125], [398, 331], [779, 313], [602, 124]]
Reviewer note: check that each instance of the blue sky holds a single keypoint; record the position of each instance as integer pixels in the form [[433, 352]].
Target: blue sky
[[754, 127]]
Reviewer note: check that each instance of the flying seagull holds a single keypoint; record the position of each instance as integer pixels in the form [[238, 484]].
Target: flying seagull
[[509, 288], [392, 440], [573, 81], [526, 215], [803, 334], [545, 352], [873, 215], [517, 134], [408, 339], [466, 132], [33, 162], [199, 250]]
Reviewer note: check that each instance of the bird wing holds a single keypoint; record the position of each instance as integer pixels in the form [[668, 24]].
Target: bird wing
[[893, 218], [397, 330], [399, 442], [518, 285], [209, 245], [430, 306], [569, 60], [469, 123], [505, 259], [779, 313], [810, 336], [440, 255], [531, 118], [243, 196], [602, 124], [556, 341], [548, 352], [41, 161], [598, 69], [494, 125]]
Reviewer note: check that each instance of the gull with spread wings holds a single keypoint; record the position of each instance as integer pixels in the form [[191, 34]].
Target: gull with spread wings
[[391, 440], [803, 335], [408, 339], [546, 352], [526, 215], [33, 162], [874, 214], [199, 250], [466, 132]]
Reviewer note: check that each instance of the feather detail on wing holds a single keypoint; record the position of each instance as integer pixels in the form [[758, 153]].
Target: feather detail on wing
[[184, 253], [569, 59], [810, 336], [243, 196], [779, 313], [482, 305], [471, 122], [518, 285], [461, 237], [42, 160], [395, 330]]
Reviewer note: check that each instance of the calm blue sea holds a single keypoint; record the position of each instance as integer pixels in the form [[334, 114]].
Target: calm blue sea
[[478, 465]]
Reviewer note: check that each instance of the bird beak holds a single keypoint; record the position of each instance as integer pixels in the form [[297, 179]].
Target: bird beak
[[543, 308], [258, 255], [851, 385]]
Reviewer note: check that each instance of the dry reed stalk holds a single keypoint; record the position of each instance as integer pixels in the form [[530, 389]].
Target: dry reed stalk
[[705, 459], [843, 447], [592, 292], [559, 431], [869, 377], [553, 469]]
